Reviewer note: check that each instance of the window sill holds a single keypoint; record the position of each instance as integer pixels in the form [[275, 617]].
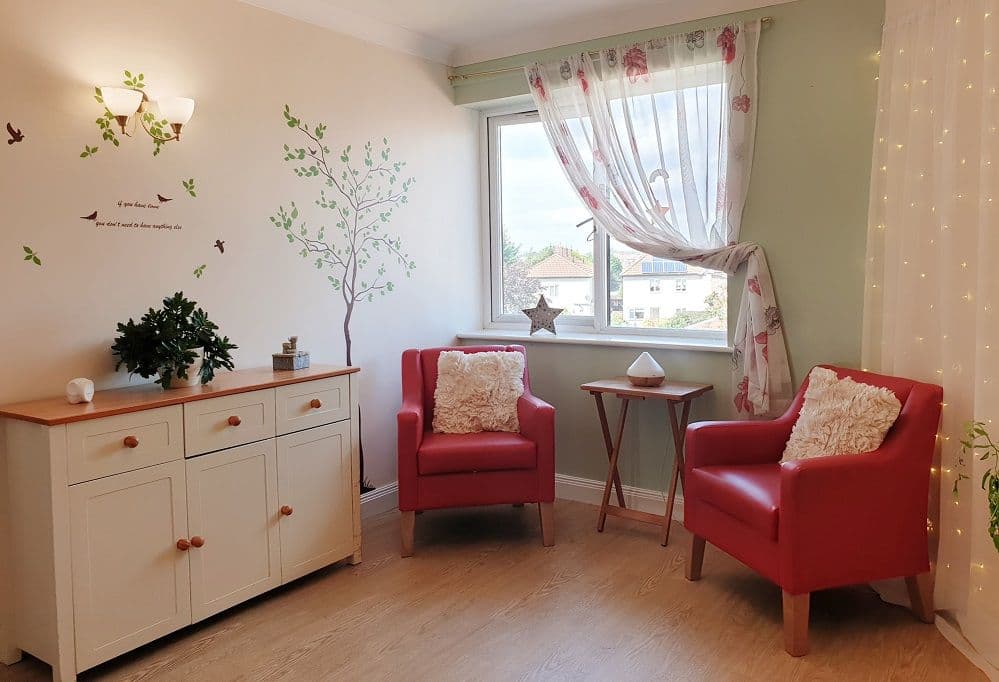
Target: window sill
[[590, 339]]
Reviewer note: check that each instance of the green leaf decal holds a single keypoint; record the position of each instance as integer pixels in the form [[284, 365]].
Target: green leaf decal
[[31, 255]]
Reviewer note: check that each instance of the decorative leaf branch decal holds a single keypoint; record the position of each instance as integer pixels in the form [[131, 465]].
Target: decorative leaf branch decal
[[159, 128], [31, 255], [361, 200], [200, 270], [189, 187]]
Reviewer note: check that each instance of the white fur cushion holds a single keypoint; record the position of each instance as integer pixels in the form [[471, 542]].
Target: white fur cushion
[[841, 417], [478, 391]]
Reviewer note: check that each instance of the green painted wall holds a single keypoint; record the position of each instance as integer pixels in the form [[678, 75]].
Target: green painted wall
[[807, 206]]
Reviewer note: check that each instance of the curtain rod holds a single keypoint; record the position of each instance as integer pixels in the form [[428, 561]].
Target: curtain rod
[[764, 23]]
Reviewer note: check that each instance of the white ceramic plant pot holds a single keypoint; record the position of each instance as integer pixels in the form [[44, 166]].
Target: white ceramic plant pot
[[645, 371], [193, 372]]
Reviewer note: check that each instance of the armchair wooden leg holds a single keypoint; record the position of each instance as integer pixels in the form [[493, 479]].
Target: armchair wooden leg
[[696, 558], [407, 525], [545, 510], [796, 623], [921, 596]]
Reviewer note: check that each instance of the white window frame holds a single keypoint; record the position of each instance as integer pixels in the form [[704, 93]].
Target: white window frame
[[597, 324]]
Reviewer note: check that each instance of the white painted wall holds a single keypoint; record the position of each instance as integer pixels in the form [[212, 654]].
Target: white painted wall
[[573, 294], [242, 65], [638, 293]]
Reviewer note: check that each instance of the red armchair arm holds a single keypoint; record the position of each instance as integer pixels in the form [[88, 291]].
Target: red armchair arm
[[410, 420], [736, 442], [537, 422], [857, 518]]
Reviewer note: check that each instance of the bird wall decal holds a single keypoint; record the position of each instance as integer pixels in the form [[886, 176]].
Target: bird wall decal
[[220, 245], [15, 135], [92, 216], [163, 199]]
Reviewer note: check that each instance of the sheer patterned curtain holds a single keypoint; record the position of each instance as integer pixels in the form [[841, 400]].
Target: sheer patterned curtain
[[657, 138], [932, 281]]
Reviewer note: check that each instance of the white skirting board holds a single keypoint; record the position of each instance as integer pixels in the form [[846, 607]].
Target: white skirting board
[[386, 497], [380, 500], [587, 490]]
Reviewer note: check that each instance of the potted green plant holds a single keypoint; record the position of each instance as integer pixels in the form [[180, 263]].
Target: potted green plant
[[177, 342]]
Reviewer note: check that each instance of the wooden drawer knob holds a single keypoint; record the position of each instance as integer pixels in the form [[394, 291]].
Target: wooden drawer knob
[[183, 545], [287, 511], [131, 442], [316, 403], [197, 541], [234, 421]]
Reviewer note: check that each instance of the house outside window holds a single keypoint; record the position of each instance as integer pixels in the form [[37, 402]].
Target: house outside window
[[542, 239]]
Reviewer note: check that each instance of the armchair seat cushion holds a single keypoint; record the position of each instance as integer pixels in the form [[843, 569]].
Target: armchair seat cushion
[[749, 493], [451, 453]]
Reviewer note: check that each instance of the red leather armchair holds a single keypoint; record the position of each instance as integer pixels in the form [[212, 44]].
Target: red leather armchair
[[816, 523], [440, 470]]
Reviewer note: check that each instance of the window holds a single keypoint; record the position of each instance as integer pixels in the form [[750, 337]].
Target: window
[[537, 247], [542, 240]]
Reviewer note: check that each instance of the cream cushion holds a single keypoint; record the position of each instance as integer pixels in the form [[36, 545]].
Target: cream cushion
[[840, 417], [478, 391]]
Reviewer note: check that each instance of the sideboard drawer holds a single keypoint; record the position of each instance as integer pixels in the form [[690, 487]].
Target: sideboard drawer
[[125, 442], [312, 403], [217, 423]]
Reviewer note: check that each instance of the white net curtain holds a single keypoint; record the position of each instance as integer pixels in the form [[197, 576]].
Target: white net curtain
[[657, 139], [932, 282]]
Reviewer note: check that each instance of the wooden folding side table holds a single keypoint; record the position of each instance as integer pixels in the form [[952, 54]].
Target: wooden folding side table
[[673, 393]]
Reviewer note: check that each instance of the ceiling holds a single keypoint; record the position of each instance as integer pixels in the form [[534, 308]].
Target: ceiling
[[458, 32]]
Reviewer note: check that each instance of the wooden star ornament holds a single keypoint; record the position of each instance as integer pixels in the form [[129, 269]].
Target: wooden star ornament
[[542, 316]]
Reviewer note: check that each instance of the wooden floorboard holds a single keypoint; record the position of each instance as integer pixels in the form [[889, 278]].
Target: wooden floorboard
[[482, 599]]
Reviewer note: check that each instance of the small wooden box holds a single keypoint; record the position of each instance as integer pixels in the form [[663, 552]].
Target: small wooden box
[[291, 361]]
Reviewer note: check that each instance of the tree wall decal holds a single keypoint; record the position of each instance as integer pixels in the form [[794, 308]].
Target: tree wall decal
[[359, 199]]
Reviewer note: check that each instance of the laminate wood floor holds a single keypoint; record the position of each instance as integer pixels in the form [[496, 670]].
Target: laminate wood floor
[[483, 600]]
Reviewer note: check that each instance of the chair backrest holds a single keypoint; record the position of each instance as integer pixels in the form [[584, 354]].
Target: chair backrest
[[921, 402], [428, 364]]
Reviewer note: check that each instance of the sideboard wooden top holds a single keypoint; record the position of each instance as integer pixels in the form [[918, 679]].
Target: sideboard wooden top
[[55, 411]]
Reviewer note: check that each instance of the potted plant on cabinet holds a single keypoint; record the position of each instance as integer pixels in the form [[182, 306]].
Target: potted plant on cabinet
[[177, 342]]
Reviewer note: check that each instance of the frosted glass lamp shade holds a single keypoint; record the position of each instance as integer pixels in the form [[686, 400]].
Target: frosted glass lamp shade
[[121, 101], [176, 110]]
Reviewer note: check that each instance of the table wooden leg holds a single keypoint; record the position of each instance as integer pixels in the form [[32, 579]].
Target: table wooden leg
[[605, 429], [612, 470], [679, 429]]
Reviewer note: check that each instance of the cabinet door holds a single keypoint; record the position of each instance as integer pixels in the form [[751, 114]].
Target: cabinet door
[[232, 506], [314, 483], [131, 583]]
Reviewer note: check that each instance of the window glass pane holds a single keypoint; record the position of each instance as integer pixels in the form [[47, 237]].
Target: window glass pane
[[656, 293], [543, 250]]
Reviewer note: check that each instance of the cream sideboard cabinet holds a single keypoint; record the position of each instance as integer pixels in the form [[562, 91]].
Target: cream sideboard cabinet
[[148, 510]]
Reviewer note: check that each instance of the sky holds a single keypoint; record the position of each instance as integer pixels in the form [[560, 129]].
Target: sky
[[539, 206]]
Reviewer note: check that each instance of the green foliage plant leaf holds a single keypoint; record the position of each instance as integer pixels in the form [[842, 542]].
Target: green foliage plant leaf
[[168, 338]]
